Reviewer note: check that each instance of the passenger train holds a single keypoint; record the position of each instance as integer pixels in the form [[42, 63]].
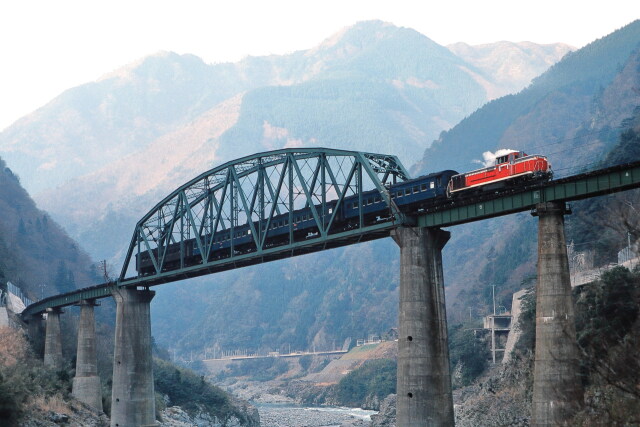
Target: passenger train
[[410, 196]]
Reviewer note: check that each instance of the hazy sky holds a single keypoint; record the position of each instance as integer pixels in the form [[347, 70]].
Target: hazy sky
[[49, 46]]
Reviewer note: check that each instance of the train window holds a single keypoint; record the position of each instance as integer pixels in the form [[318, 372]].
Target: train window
[[432, 184], [400, 194], [416, 189], [330, 210], [285, 222], [249, 232], [423, 187], [355, 205], [376, 199], [407, 191]]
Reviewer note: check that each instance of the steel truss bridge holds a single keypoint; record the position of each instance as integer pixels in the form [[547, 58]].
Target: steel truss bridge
[[248, 200]]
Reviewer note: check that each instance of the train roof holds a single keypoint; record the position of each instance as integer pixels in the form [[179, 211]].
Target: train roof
[[435, 174]]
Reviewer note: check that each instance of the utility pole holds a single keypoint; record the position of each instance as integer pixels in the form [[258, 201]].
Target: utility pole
[[494, 298]]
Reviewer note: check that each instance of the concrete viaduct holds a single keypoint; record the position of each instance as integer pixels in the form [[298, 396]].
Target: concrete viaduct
[[245, 202]]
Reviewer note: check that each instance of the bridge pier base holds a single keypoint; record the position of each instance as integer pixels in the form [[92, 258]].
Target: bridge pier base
[[133, 397], [86, 384], [424, 384], [557, 389], [53, 340]]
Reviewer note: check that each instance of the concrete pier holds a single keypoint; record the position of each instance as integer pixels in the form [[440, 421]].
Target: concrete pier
[[557, 389], [86, 384], [36, 332], [132, 398], [53, 340], [424, 383]]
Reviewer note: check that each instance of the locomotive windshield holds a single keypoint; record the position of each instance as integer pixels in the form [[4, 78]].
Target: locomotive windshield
[[513, 156], [502, 159]]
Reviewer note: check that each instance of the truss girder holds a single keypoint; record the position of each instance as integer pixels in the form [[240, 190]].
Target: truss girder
[[240, 207]]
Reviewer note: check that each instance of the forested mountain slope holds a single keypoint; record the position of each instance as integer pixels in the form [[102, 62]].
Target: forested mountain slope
[[35, 253]]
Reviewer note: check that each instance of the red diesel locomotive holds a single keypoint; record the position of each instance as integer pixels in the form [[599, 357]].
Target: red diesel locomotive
[[509, 168]]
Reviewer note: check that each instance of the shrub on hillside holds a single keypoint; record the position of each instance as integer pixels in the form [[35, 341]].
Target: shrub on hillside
[[468, 356], [23, 377], [192, 392], [374, 380]]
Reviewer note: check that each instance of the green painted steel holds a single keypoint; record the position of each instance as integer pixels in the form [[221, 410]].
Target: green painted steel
[[591, 184], [69, 298], [230, 210]]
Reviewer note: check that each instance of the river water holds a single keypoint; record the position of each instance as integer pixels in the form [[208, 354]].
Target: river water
[[285, 415]]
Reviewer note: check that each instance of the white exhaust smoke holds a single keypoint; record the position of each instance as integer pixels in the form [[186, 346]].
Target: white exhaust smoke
[[490, 157]]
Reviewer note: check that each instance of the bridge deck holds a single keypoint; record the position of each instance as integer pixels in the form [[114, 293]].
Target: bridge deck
[[449, 213]]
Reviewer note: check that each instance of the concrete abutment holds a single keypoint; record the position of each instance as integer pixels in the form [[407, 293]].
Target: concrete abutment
[[424, 383], [557, 388]]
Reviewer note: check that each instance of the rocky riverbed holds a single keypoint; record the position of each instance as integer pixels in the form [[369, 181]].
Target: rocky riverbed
[[293, 416]]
